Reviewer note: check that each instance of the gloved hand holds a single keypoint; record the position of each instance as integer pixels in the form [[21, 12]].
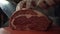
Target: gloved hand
[[41, 3]]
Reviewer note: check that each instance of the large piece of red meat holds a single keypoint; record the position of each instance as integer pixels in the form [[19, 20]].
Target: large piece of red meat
[[29, 20]]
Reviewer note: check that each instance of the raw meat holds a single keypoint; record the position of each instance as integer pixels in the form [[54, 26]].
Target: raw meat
[[29, 20]]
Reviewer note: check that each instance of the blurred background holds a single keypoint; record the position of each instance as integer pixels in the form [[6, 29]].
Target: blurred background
[[9, 6]]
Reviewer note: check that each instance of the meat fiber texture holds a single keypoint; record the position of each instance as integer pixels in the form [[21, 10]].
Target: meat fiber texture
[[29, 19]]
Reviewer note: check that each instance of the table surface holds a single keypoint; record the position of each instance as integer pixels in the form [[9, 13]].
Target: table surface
[[8, 30]]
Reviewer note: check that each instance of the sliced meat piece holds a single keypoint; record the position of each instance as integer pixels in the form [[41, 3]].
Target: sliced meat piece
[[37, 21]]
